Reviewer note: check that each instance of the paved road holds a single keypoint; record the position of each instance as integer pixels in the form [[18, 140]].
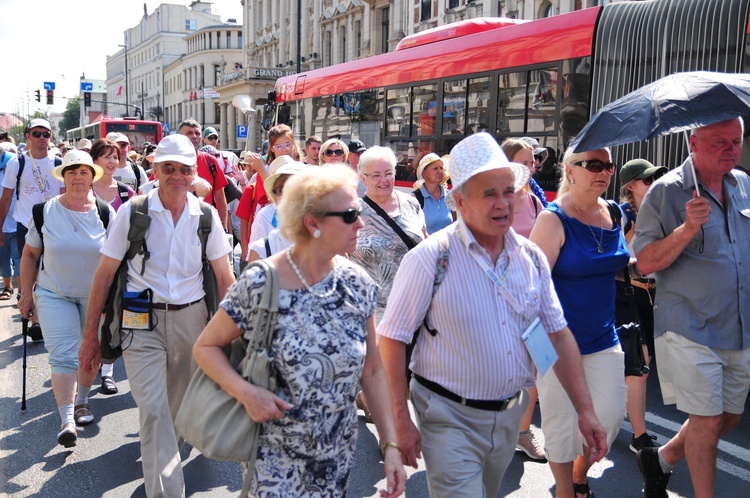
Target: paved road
[[106, 461]]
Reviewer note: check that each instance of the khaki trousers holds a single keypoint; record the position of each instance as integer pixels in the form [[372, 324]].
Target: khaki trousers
[[159, 364]]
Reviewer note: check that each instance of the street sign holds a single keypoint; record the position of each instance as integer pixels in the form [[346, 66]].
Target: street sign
[[49, 85], [241, 131], [165, 129], [87, 86]]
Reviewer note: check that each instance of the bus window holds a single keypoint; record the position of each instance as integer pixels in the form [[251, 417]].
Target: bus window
[[542, 100], [511, 103], [479, 99], [575, 87], [398, 116], [425, 104], [454, 107]]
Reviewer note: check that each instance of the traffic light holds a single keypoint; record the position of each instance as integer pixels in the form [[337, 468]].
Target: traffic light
[[50, 97], [38, 96], [87, 99]]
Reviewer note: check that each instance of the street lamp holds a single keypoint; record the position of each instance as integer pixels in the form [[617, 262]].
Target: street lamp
[[127, 101]]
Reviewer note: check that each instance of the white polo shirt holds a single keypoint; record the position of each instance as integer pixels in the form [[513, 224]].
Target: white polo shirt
[[173, 271], [37, 184]]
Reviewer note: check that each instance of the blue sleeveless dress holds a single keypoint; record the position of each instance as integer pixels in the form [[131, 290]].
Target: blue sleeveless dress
[[585, 280]]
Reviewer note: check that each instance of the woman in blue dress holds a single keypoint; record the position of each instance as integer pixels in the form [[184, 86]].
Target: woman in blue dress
[[323, 346], [581, 237]]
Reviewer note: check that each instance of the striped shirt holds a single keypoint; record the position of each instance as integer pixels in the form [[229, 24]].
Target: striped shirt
[[477, 352]]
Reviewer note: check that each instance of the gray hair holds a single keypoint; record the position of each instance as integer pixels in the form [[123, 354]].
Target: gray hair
[[374, 154]]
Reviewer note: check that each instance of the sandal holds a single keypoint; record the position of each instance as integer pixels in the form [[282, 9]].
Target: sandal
[[108, 385], [83, 414], [6, 294], [67, 436], [583, 489]]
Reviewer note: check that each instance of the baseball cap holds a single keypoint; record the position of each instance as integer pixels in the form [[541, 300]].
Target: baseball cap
[[209, 132], [638, 169], [356, 146], [39, 122], [117, 137], [176, 148]]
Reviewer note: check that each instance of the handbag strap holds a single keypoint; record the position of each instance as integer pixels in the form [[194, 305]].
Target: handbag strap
[[391, 222], [630, 294], [268, 307]]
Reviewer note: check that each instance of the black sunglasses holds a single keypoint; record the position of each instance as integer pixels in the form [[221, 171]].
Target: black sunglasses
[[37, 134], [596, 166], [651, 179], [349, 216], [337, 152]]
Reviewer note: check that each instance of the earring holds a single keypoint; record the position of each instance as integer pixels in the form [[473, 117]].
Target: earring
[[316, 233], [572, 180]]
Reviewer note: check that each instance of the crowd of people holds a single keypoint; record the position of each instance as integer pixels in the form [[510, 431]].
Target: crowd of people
[[391, 297]]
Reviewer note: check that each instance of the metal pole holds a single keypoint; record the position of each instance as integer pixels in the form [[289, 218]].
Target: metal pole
[[127, 99], [142, 105], [299, 36]]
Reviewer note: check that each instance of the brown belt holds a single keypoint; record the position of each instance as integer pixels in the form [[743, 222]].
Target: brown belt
[[173, 307]]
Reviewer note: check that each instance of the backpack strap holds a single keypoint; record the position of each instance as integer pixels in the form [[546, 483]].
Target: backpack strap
[[615, 212], [137, 174], [122, 190], [37, 213], [441, 266], [210, 286], [267, 243], [102, 209], [139, 223], [21, 164], [420, 197]]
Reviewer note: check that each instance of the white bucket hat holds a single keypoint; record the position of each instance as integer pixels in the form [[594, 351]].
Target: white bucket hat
[[77, 158], [282, 165], [478, 153]]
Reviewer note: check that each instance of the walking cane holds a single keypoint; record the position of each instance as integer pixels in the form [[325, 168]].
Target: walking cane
[[25, 333]]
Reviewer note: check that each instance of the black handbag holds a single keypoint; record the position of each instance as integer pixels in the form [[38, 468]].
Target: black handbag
[[631, 338]]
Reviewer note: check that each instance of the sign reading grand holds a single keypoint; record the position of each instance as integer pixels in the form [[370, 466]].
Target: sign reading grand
[[267, 73]]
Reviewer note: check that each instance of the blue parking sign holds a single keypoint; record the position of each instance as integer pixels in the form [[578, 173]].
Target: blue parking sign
[[241, 131]]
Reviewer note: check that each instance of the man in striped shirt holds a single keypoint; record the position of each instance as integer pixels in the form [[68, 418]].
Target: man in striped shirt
[[469, 376]]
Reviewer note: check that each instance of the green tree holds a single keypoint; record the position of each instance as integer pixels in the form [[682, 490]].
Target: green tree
[[17, 131], [71, 117]]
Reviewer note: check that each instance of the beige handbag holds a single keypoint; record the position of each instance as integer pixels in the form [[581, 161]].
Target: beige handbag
[[213, 421]]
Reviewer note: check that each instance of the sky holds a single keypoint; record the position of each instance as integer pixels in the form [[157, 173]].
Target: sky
[[53, 40]]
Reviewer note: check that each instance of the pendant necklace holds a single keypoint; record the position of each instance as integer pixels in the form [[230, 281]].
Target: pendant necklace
[[304, 282], [599, 247], [41, 183]]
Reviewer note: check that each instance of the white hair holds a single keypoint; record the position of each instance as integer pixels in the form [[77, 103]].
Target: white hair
[[374, 154]]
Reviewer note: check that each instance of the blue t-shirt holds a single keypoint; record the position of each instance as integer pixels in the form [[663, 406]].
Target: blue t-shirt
[[437, 214], [585, 280]]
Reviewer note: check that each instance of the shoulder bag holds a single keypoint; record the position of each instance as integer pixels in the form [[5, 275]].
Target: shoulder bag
[[631, 337], [212, 420]]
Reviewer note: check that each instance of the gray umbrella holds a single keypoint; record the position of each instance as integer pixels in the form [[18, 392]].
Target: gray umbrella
[[678, 102]]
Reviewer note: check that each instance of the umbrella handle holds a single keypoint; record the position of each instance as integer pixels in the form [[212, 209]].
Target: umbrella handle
[[692, 165]]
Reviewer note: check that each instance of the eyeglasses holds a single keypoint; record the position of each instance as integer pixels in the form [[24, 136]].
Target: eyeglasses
[[349, 216], [651, 179], [334, 152], [376, 177], [596, 166], [37, 134], [281, 147], [183, 170]]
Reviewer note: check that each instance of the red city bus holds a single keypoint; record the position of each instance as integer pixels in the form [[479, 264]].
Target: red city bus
[[541, 78], [139, 132]]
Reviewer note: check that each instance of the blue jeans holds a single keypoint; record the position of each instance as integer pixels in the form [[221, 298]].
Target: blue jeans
[[10, 258], [62, 319]]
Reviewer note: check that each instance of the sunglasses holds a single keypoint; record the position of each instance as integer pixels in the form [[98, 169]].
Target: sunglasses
[[212, 137], [280, 147], [651, 179], [37, 134], [349, 216], [183, 170], [335, 152], [596, 166]]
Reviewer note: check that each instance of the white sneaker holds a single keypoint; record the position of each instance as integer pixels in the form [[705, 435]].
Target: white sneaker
[[528, 443]]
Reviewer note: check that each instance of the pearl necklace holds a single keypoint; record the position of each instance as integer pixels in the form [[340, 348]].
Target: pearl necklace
[[599, 248], [304, 282]]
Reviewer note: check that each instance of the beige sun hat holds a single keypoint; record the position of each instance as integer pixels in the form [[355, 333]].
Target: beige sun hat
[[77, 158], [282, 165]]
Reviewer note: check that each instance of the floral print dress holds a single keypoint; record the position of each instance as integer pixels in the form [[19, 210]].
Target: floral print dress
[[319, 351]]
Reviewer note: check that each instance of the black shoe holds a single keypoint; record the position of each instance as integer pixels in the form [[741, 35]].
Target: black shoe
[[35, 332], [645, 440], [108, 385], [583, 489], [654, 479]]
